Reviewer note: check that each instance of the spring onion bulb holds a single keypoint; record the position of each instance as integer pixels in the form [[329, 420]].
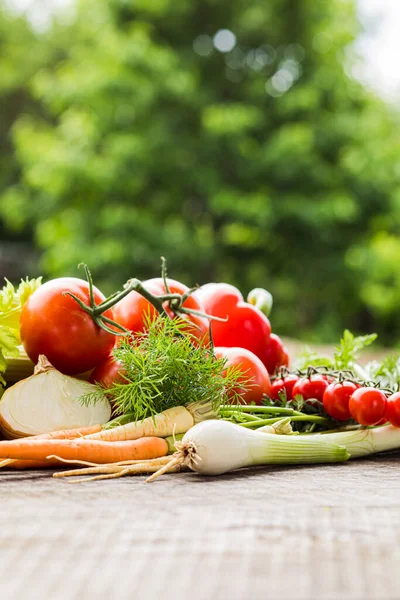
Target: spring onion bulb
[[48, 401], [215, 447]]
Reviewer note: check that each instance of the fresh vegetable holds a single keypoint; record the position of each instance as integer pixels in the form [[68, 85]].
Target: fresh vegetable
[[48, 401], [134, 312], [63, 434], [336, 399], [367, 405], [275, 354], [245, 325], [11, 302], [84, 449], [108, 372], [311, 387], [283, 386], [254, 382], [172, 421], [262, 299], [344, 357], [255, 417], [215, 447], [393, 409], [385, 374], [164, 369], [54, 324]]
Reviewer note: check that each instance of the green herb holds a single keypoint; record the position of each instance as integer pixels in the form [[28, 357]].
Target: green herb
[[346, 354], [386, 374], [164, 368], [11, 302], [344, 357]]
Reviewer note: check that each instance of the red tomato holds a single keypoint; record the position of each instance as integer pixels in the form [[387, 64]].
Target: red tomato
[[275, 354], [246, 326], [132, 310], [55, 325], [284, 384], [108, 372], [311, 387], [393, 409], [336, 399], [367, 405], [252, 369]]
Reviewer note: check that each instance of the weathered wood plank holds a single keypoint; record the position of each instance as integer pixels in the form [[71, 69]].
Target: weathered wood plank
[[321, 532]]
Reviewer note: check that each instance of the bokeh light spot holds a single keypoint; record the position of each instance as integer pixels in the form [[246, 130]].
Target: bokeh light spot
[[224, 40]]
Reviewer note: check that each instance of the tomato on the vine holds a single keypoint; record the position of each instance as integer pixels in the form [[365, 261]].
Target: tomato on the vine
[[274, 354], [283, 385], [336, 399], [133, 311], [393, 409], [108, 372], [245, 325], [253, 371], [311, 387], [52, 323], [367, 405]]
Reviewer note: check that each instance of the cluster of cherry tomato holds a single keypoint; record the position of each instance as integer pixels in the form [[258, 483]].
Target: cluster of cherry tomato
[[342, 400], [55, 324]]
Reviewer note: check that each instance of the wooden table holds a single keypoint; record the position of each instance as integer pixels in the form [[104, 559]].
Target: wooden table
[[321, 532]]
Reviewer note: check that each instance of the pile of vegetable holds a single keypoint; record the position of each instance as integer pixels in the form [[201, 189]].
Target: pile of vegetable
[[159, 369]]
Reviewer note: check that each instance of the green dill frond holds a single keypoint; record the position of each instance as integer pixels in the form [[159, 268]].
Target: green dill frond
[[163, 368]]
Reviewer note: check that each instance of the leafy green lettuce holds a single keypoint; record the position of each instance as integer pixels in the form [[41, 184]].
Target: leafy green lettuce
[[11, 301]]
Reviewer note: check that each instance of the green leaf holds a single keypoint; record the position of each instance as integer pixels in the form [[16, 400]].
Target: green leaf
[[9, 341], [347, 352], [26, 288]]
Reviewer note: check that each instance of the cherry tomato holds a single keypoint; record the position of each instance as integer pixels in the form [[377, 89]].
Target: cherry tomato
[[131, 311], [55, 325], [275, 354], [393, 409], [311, 387], [336, 399], [252, 369], [283, 384], [367, 405], [245, 326], [108, 372]]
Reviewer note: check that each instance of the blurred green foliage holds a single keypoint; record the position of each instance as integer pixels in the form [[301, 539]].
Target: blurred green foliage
[[128, 136]]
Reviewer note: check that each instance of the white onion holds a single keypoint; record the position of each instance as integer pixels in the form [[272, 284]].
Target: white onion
[[49, 401]]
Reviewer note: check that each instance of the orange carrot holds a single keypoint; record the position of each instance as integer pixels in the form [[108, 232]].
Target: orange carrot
[[83, 449], [64, 434]]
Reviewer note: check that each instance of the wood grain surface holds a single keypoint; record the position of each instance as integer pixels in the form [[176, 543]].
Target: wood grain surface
[[316, 532]]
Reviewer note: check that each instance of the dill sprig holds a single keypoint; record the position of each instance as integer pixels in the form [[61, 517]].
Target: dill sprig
[[163, 368]]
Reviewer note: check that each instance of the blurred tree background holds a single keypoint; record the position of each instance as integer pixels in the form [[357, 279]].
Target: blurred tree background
[[227, 135]]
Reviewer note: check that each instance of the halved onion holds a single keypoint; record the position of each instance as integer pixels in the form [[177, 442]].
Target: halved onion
[[49, 401]]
